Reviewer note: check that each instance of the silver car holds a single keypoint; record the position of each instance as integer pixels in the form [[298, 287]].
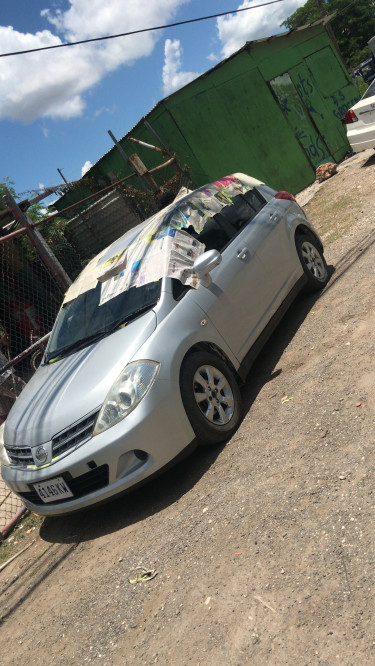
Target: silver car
[[153, 340]]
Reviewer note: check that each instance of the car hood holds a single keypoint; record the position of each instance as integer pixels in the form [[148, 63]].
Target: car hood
[[61, 393]]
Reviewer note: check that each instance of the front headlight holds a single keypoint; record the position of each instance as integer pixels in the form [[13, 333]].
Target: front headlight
[[125, 394], [4, 460]]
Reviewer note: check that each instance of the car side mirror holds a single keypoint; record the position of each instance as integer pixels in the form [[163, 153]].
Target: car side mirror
[[204, 264]]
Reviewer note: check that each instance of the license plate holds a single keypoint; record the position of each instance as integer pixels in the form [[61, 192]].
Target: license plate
[[53, 489]]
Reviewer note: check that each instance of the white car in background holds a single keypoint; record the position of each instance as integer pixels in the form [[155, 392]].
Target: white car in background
[[360, 122]]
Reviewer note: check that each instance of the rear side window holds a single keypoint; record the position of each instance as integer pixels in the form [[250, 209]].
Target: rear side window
[[244, 208], [219, 230]]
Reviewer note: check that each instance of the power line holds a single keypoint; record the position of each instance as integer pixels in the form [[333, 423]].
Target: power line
[[137, 32]]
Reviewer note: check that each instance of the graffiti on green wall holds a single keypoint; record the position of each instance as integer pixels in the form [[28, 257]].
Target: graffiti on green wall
[[333, 83], [299, 117], [306, 87], [341, 104]]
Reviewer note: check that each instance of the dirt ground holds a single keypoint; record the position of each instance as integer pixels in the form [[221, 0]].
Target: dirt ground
[[263, 549]]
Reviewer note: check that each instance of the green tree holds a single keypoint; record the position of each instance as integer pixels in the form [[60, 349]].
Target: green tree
[[9, 185], [52, 232], [352, 28]]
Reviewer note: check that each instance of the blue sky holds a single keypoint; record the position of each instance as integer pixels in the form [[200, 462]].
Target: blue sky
[[56, 106]]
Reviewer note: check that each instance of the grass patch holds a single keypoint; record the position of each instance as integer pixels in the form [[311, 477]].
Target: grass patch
[[331, 218], [25, 531]]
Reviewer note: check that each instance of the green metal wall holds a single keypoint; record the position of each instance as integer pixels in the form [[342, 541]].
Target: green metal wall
[[272, 110], [232, 121]]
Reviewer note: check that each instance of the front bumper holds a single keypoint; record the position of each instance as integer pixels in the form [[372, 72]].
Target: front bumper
[[116, 459]]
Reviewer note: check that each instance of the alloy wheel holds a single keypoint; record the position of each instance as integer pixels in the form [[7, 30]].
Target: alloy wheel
[[313, 260], [213, 395]]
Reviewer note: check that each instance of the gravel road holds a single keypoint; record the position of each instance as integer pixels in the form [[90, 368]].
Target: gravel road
[[262, 551]]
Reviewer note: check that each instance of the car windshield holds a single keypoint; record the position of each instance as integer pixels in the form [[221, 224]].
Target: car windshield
[[83, 320], [370, 92]]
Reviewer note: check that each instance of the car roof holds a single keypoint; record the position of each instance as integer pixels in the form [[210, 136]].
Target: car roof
[[191, 209]]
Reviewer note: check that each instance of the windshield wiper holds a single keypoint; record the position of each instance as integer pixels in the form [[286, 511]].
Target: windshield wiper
[[75, 346], [133, 315], [84, 342]]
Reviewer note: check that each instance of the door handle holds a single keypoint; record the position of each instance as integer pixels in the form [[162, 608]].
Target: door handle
[[243, 253]]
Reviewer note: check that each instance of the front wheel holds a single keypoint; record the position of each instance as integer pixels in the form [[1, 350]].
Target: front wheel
[[211, 397], [312, 261]]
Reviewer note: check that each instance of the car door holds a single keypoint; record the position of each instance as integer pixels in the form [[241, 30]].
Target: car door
[[276, 248], [238, 300]]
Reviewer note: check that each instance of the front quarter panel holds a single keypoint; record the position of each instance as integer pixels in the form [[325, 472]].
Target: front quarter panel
[[186, 325]]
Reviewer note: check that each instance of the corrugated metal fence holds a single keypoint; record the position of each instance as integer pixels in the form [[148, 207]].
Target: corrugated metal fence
[[101, 224]]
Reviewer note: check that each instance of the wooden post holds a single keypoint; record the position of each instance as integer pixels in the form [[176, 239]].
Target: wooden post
[[165, 148], [141, 168], [42, 248], [126, 158]]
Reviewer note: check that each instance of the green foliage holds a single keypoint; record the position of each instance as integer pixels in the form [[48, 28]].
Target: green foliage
[[352, 28], [9, 185], [361, 85], [302, 16], [52, 232]]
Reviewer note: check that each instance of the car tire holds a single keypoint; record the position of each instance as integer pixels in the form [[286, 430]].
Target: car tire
[[211, 397], [313, 262]]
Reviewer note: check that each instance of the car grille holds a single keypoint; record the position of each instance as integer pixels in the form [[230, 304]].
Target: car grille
[[65, 440], [74, 435], [80, 486], [20, 455]]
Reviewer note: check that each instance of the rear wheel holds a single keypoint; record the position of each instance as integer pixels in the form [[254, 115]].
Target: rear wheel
[[211, 397], [312, 261]]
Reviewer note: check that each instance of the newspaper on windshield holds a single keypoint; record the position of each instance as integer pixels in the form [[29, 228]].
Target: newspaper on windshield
[[170, 254]]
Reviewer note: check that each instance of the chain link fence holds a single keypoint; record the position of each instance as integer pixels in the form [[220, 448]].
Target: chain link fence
[[30, 298], [29, 301], [10, 505], [31, 294]]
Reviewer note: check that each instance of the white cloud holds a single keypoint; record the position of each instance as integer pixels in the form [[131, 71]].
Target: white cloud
[[212, 57], [237, 29], [173, 77], [46, 132], [105, 109], [87, 165], [53, 83]]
